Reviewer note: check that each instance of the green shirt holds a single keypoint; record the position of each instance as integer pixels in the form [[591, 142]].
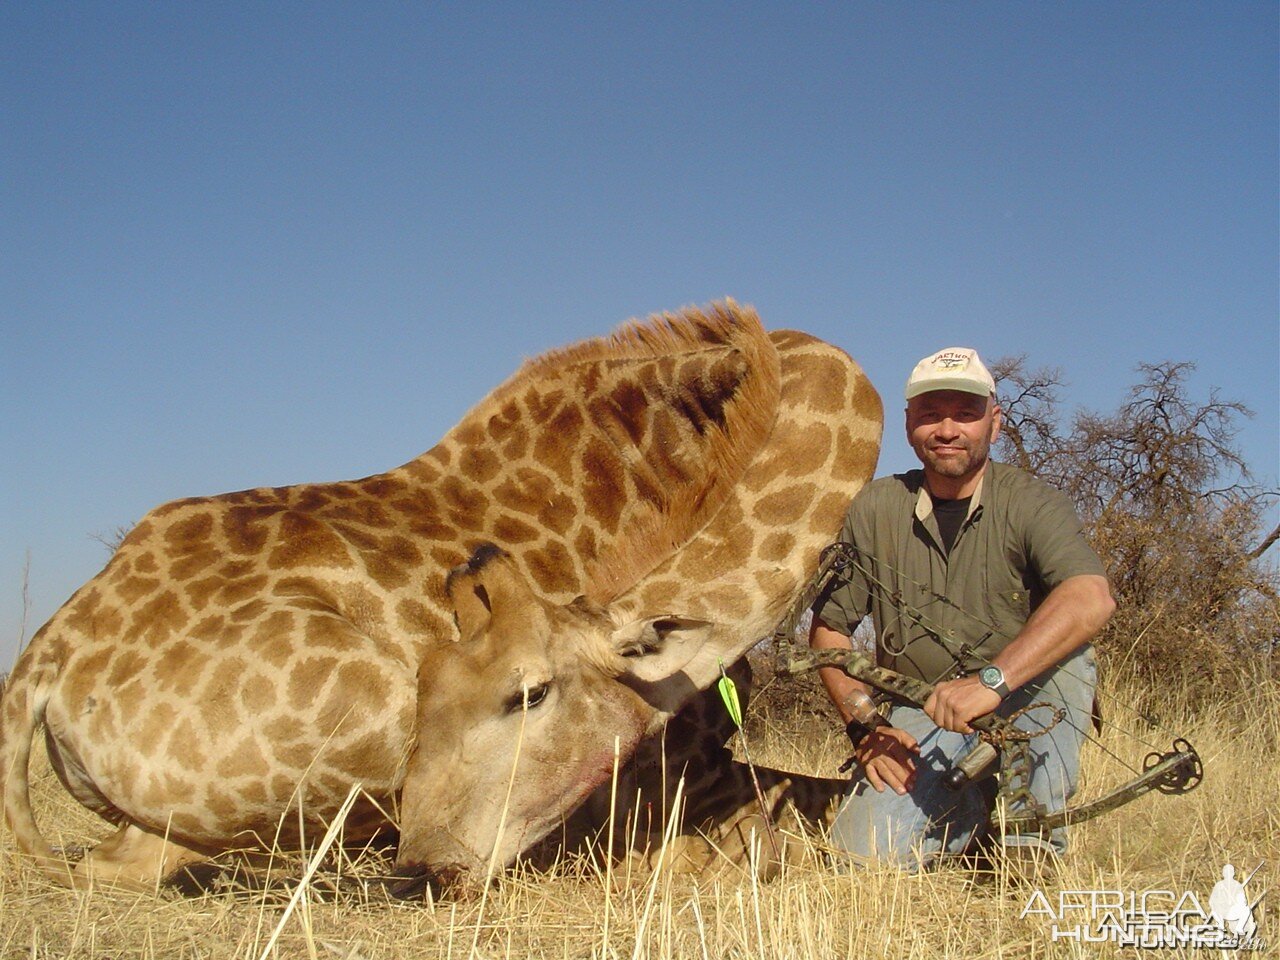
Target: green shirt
[[1020, 539]]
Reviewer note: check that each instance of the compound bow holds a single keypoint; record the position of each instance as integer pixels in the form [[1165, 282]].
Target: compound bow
[[1175, 771]]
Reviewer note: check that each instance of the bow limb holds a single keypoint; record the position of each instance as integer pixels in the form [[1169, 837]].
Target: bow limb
[[1176, 771]]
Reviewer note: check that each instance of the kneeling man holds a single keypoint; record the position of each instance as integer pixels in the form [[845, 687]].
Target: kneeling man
[[979, 580]]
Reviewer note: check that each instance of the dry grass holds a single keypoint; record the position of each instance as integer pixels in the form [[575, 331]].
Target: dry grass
[[813, 911]]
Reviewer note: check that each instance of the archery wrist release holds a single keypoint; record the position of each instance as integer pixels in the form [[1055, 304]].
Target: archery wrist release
[[864, 717]]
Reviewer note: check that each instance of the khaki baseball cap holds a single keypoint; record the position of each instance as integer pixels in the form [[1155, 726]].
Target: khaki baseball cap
[[955, 368]]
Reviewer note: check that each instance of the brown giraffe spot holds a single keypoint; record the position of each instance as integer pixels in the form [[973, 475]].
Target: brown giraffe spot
[[236, 569], [811, 384], [814, 439], [786, 340], [707, 556], [245, 759], [385, 571], [195, 563], [236, 591], [777, 546], [554, 446], [107, 623], [186, 748], [418, 619], [133, 589], [853, 455], [281, 786], [146, 563], [657, 592], [402, 550], [627, 406], [103, 723], [552, 567], [258, 694], [245, 528], [468, 434], [383, 487], [667, 458], [344, 491], [159, 618], [446, 558], [326, 631], [199, 592], [785, 506], [179, 667], [222, 804], [585, 544], [734, 601], [368, 513], [132, 697], [309, 499], [604, 487], [304, 541], [515, 447], [298, 754], [510, 531], [526, 491], [307, 679], [83, 675], [831, 505], [284, 728], [542, 406], [480, 464], [219, 700], [558, 513], [465, 502], [153, 727], [190, 534], [250, 611], [253, 792]]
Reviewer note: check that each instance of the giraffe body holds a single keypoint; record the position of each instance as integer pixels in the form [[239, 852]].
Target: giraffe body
[[248, 654]]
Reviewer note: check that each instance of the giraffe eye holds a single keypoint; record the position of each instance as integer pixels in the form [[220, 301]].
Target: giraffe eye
[[535, 695]]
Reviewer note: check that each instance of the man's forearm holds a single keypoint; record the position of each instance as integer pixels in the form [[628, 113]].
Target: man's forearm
[[1070, 616], [839, 685]]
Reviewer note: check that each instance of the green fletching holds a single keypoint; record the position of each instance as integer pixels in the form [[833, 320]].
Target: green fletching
[[729, 694]]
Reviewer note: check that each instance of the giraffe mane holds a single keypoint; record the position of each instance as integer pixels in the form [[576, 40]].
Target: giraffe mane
[[655, 535]]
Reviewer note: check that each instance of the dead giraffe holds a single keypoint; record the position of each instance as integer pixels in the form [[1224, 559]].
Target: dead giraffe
[[247, 653]]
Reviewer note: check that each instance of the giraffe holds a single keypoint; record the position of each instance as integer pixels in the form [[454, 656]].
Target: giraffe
[[253, 653]]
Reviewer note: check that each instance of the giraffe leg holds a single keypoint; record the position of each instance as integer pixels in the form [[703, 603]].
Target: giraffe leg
[[132, 859]]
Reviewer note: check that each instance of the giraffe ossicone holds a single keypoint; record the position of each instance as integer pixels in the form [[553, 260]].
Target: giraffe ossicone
[[656, 498]]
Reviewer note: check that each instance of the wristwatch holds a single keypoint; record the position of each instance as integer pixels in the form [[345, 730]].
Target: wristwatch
[[992, 677]]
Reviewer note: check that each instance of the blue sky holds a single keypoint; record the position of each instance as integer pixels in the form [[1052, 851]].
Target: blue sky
[[248, 245]]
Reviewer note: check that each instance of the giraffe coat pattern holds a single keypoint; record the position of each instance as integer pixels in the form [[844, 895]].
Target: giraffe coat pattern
[[657, 496]]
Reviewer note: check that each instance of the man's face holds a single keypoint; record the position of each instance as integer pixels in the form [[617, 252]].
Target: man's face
[[952, 431]]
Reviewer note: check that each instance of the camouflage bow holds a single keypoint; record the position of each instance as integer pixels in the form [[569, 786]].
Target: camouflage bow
[[1175, 771]]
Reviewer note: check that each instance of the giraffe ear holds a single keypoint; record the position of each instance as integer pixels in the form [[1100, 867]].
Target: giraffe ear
[[656, 648], [487, 580]]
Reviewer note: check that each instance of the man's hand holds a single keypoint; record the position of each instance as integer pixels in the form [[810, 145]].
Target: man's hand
[[954, 703], [888, 759]]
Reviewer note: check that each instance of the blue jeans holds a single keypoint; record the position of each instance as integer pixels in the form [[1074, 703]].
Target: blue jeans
[[932, 819]]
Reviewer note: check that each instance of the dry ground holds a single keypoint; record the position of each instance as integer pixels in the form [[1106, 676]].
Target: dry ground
[[814, 911]]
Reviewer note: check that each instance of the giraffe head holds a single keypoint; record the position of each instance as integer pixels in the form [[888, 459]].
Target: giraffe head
[[527, 714]]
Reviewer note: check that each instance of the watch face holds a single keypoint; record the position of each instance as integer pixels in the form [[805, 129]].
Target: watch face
[[990, 676]]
